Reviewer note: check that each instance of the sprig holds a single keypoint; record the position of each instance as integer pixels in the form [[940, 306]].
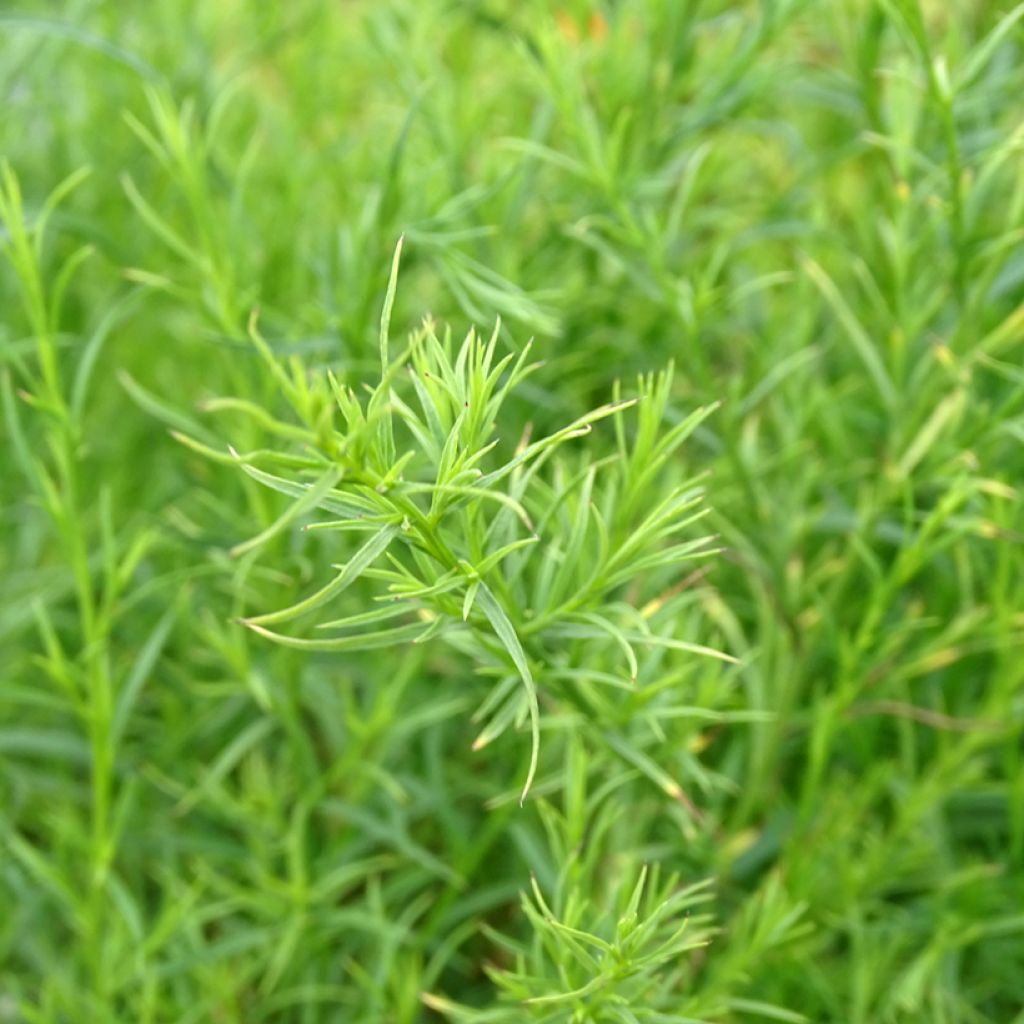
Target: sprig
[[510, 553], [590, 963]]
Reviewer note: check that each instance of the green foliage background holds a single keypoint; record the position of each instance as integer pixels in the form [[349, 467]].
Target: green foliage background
[[814, 209]]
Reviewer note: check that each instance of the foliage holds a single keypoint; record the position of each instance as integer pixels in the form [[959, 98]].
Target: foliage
[[691, 697]]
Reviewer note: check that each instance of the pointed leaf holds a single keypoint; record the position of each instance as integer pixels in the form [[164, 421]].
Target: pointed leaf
[[510, 641], [360, 561]]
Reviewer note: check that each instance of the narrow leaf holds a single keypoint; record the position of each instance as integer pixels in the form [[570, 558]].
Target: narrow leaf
[[309, 501], [507, 635], [359, 562]]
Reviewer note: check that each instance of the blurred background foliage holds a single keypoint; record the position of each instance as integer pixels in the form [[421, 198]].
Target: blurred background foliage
[[814, 208]]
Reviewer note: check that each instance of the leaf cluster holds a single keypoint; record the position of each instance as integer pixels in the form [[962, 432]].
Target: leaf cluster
[[509, 553]]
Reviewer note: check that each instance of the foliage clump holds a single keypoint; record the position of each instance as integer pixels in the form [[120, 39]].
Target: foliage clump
[[520, 659]]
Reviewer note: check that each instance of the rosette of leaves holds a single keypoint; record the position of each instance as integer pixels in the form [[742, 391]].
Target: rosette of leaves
[[508, 554]]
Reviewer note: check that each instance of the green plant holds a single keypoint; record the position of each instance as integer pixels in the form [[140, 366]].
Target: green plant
[[514, 557], [812, 211]]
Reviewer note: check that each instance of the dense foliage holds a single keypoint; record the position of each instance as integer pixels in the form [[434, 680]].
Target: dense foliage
[[509, 511]]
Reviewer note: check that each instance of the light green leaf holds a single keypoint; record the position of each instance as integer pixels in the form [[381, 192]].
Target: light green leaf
[[510, 641], [306, 503], [355, 642], [359, 562]]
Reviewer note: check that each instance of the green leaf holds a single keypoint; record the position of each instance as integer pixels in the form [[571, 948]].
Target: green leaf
[[389, 303], [140, 673], [160, 410], [356, 642], [343, 506], [91, 352], [467, 601], [862, 342], [310, 500], [510, 641], [986, 49], [355, 567]]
